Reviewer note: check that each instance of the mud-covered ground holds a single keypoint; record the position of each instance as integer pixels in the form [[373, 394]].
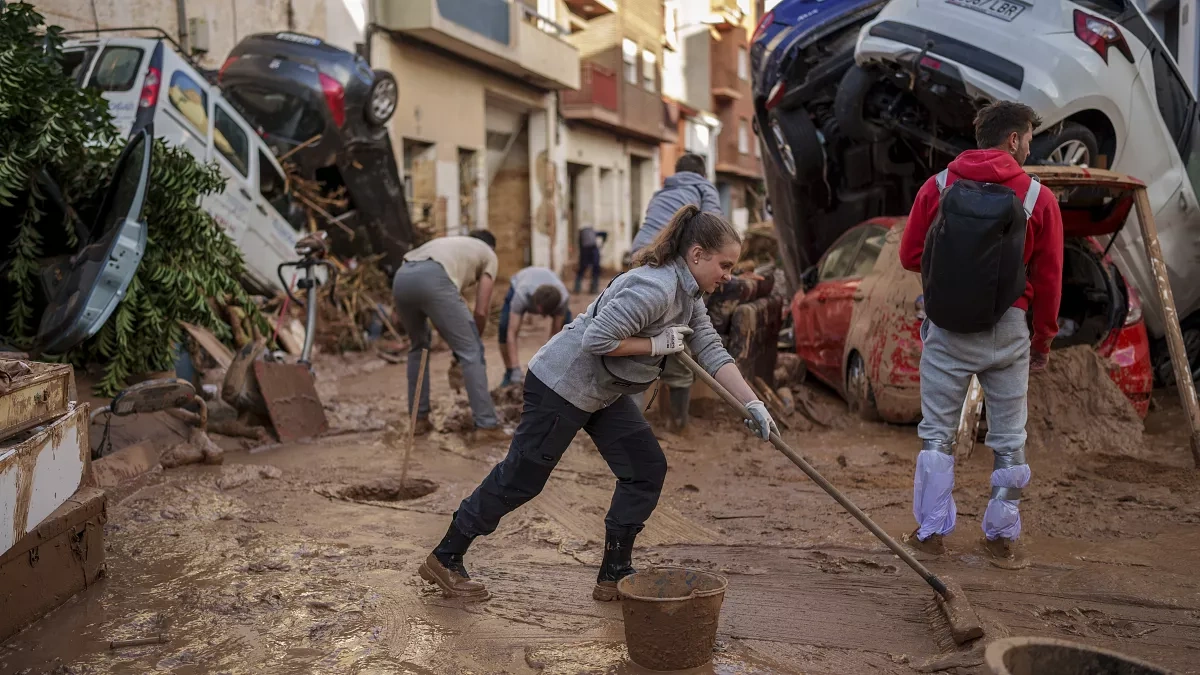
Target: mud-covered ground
[[290, 559]]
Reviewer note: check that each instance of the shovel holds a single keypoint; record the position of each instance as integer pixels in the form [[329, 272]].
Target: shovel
[[963, 621]]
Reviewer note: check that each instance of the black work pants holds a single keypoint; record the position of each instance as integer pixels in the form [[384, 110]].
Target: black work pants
[[548, 424]]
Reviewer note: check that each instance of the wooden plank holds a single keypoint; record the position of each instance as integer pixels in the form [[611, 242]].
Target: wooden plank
[[1166, 299], [209, 343]]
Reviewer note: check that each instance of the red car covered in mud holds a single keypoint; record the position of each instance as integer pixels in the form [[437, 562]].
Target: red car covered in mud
[[858, 317]]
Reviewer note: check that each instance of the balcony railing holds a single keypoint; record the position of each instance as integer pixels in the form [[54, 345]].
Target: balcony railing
[[597, 86]]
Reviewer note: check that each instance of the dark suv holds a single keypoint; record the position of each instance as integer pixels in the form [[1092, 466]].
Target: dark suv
[[296, 88]]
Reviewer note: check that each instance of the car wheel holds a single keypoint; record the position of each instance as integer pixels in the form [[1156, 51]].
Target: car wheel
[[1071, 144], [849, 106], [795, 145], [382, 100], [858, 390]]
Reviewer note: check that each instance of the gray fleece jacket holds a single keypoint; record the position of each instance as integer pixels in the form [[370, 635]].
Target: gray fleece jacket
[[642, 302], [683, 188]]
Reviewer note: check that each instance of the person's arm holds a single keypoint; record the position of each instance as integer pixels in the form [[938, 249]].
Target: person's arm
[[710, 199], [632, 307], [556, 323], [1045, 272], [730, 377], [483, 301], [514, 329], [912, 243], [710, 353]]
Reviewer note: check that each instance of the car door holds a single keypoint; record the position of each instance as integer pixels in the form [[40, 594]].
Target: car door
[[237, 209], [836, 306], [811, 343], [281, 234], [84, 290]]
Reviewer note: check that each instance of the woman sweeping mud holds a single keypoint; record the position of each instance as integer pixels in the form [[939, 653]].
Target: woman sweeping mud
[[580, 380]]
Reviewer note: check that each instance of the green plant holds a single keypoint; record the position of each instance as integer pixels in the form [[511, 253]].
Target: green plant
[[48, 124]]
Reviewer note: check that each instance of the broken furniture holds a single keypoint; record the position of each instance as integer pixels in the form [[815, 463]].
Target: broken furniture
[[51, 529]]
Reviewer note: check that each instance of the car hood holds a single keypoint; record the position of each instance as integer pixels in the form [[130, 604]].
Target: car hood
[[804, 21]]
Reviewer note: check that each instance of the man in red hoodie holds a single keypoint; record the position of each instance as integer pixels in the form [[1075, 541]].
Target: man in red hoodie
[[1001, 356]]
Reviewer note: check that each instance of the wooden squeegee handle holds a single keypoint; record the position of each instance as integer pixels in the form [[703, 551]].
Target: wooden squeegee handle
[[817, 478]]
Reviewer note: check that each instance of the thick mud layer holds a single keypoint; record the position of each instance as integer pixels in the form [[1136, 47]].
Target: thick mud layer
[[1074, 407], [262, 565]]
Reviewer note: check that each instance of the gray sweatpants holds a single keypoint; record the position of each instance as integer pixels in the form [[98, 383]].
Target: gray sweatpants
[[1000, 358], [422, 290]]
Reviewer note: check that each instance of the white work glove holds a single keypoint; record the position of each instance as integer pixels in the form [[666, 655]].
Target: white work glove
[[670, 341], [760, 421]]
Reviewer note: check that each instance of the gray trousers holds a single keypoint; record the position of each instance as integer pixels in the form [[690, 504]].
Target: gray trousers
[[1000, 358], [422, 290]]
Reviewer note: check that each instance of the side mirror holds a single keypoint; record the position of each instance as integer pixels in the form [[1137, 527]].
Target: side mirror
[[809, 278]]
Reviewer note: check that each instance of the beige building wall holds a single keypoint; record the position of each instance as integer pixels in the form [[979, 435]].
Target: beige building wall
[[451, 104], [605, 195], [340, 22]]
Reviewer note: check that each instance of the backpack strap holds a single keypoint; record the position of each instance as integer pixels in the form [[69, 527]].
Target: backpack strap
[[1031, 197], [941, 179]]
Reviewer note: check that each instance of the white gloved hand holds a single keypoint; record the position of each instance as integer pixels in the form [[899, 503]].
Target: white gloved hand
[[670, 341], [760, 421]]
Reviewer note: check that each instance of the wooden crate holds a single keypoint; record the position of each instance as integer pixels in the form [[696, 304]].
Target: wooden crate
[[32, 393]]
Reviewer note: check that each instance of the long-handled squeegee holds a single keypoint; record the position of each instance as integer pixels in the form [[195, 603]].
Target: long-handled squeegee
[[961, 617]]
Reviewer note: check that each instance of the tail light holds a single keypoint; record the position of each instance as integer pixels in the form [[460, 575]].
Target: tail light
[[228, 62], [335, 98], [1134, 311], [1100, 35], [763, 24], [150, 87], [776, 94]]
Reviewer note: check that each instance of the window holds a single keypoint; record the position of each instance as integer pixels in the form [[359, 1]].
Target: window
[[868, 252], [231, 140], [117, 69], [629, 53], [1174, 97], [743, 64], [1192, 158], [649, 71], [743, 137], [190, 99], [272, 184], [284, 120], [836, 262], [75, 63]]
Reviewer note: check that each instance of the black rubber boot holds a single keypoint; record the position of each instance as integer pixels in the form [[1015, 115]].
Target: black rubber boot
[[681, 398], [578, 286], [445, 567], [617, 564]]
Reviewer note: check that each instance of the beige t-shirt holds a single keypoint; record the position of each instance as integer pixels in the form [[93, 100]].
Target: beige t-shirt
[[465, 259]]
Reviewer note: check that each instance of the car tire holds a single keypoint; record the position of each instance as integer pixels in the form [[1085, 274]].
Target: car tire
[[1164, 369], [793, 143], [849, 106], [1070, 144], [859, 395], [383, 99]]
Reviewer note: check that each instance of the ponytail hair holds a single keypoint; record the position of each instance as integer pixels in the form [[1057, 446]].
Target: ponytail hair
[[690, 226]]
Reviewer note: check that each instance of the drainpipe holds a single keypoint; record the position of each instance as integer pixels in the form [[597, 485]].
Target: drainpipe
[[181, 17]]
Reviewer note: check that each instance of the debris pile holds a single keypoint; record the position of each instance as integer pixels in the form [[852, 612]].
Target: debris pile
[[1074, 406]]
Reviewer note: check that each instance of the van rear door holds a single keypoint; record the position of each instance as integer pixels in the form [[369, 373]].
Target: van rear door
[[118, 72]]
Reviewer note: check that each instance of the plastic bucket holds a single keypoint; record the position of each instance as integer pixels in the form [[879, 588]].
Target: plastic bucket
[[671, 616], [1046, 656]]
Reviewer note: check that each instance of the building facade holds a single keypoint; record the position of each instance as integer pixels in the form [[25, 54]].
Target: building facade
[[616, 120], [707, 71]]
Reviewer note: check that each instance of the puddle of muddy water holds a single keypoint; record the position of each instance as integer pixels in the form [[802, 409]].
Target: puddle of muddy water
[[388, 490]]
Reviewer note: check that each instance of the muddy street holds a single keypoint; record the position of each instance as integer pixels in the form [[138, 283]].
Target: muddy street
[[302, 558]]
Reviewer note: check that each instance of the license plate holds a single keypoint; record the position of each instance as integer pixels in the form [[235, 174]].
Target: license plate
[[1006, 10]]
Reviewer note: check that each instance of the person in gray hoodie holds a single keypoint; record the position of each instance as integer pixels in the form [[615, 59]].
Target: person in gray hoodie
[[687, 186], [580, 380]]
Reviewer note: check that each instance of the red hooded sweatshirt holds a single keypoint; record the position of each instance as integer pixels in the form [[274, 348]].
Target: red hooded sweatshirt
[[1043, 236]]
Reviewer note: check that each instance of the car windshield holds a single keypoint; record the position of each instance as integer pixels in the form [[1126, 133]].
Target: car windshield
[[280, 116]]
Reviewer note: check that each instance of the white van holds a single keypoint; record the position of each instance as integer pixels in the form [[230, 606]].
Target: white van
[[145, 80]]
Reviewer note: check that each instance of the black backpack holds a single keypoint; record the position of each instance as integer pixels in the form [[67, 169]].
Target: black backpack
[[973, 266]]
